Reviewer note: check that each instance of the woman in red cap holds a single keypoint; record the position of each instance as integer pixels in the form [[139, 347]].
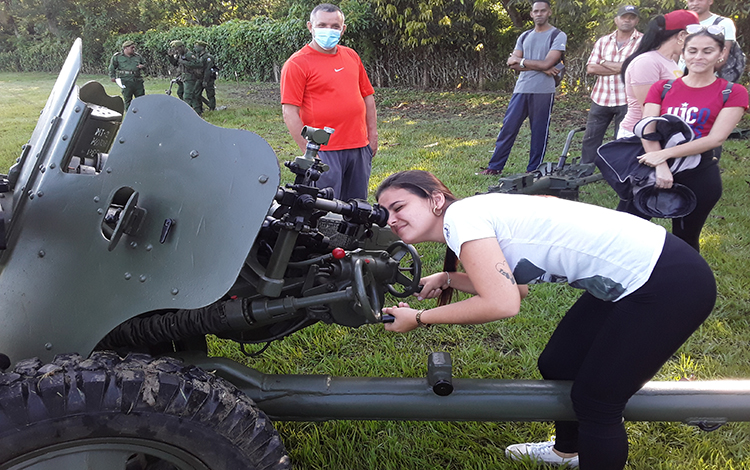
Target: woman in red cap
[[655, 59]]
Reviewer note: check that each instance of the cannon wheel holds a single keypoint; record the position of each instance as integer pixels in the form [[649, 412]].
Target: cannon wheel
[[132, 413]]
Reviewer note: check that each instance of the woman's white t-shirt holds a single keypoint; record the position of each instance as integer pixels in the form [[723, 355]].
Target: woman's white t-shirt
[[610, 254]]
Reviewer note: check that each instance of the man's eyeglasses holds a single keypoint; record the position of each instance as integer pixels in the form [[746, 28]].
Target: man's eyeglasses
[[714, 29]]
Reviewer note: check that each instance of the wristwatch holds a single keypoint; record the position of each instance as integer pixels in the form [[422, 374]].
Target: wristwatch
[[520, 64]]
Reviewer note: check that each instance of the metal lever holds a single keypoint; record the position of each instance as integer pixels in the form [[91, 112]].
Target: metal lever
[[165, 229]]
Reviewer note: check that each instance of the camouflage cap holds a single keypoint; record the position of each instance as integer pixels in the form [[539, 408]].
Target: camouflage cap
[[128, 43], [176, 43], [201, 43]]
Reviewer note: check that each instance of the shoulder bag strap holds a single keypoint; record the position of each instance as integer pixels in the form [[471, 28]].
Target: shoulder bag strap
[[726, 92], [667, 87]]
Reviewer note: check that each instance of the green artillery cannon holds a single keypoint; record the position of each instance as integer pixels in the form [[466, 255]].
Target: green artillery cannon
[[126, 240]]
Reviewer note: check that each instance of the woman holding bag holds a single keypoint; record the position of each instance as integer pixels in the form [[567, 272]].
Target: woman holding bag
[[712, 107]]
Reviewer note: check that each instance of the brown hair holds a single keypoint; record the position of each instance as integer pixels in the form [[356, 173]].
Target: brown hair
[[424, 184]]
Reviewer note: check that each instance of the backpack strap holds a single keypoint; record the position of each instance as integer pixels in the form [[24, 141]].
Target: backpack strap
[[718, 20], [667, 87], [552, 37], [726, 92]]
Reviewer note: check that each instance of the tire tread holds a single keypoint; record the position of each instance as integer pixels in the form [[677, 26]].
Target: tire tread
[[97, 389]]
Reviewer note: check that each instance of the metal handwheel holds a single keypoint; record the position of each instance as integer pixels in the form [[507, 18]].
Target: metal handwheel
[[366, 298], [407, 276]]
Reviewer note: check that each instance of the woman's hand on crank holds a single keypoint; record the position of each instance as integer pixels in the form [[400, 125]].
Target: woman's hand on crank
[[432, 286], [405, 318]]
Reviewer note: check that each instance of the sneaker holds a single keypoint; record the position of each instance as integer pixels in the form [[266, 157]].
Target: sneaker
[[488, 172], [539, 452]]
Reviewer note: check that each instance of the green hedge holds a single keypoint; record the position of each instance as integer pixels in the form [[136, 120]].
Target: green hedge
[[247, 50], [35, 55], [256, 50]]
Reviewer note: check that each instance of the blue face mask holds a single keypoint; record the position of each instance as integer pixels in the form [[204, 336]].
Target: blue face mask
[[326, 38]]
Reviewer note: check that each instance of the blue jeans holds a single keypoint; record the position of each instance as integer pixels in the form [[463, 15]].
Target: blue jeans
[[538, 108], [596, 126]]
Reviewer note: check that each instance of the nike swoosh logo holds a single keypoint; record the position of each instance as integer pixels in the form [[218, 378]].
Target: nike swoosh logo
[[338, 70]]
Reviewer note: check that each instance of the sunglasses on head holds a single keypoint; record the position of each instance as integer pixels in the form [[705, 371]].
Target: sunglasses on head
[[714, 29]]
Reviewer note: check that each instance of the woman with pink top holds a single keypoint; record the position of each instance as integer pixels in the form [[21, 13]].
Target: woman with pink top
[[654, 60]]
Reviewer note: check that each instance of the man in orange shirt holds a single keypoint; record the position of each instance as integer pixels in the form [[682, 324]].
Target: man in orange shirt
[[325, 84]]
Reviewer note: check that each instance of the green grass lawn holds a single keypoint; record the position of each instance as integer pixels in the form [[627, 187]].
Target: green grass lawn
[[452, 135]]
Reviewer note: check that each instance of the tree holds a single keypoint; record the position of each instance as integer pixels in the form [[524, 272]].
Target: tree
[[517, 17], [427, 25]]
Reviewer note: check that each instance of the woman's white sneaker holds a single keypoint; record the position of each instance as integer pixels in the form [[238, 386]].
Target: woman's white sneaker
[[539, 452]]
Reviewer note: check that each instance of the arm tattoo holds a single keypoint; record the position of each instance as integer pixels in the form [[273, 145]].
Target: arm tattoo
[[501, 268]]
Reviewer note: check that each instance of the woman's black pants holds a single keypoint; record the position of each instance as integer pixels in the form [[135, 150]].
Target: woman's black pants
[[611, 349]]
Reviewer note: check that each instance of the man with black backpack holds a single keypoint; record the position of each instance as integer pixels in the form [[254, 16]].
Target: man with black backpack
[[733, 59], [538, 57]]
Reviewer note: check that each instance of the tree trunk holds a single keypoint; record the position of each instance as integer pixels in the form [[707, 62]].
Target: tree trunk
[[517, 19], [6, 18], [52, 27], [481, 76]]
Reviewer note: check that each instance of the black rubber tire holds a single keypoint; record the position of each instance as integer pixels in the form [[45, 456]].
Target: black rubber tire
[[156, 406]]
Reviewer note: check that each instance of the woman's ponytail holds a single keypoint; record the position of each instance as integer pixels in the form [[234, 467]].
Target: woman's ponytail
[[450, 264]]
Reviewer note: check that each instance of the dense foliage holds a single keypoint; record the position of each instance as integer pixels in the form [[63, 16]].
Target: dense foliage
[[430, 44]]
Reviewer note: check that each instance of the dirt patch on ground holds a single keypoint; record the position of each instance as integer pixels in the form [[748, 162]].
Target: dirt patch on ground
[[263, 94]]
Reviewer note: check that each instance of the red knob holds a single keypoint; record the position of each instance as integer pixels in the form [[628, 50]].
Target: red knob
[[338, 253]]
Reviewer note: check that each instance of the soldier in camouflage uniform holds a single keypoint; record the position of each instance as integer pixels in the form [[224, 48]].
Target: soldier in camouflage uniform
[[209, 74], [176, 52], [193, 79], [126, 66], [199, 68]]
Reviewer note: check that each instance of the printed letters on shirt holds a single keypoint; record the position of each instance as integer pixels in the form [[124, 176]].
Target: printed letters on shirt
[[693, 115]]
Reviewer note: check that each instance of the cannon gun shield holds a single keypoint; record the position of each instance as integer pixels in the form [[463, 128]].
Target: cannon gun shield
[[162, 219]]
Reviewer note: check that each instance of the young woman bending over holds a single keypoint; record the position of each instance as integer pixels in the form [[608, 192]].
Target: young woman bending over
[[646, 291]]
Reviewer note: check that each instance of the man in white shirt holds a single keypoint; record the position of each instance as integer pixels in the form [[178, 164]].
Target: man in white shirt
[[703, 9]]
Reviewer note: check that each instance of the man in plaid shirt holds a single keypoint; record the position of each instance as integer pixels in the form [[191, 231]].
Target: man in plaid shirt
[[608, 96]]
